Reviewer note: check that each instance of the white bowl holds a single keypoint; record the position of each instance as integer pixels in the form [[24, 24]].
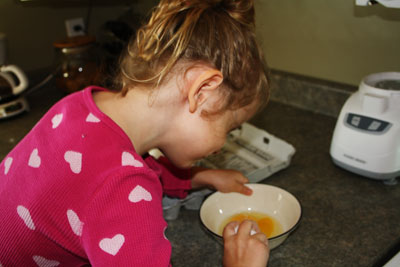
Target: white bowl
[[270, 200]]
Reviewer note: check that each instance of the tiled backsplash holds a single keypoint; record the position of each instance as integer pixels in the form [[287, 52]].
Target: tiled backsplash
[[308, 93]]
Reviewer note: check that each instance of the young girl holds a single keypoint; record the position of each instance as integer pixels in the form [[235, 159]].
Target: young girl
[[80, 188]]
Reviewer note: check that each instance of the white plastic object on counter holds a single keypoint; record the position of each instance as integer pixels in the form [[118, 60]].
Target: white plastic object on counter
[[393, 262], [172, 206], [386, 3], [253, 151]]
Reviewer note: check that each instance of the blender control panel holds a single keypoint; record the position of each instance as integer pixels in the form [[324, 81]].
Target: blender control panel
[[366, 124]]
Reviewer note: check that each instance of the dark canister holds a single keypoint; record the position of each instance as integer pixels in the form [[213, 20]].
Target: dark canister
[[77, 61]]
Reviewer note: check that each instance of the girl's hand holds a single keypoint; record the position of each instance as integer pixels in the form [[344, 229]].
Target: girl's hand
[[222, 180], [242, 247]]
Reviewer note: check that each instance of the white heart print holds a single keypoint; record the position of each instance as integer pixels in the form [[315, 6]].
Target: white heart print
[[138, 194], [56, 120], [34, 159], [112, 245], [43, 262], [7, 164], [25, 215], [92, 118], [75, 222], [75, 160], [129, 160]]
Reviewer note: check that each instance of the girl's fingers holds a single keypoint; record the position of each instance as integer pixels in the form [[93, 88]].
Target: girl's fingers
[[247, 226], [245, 190], [230, 229], [262, 238], [243, 179]]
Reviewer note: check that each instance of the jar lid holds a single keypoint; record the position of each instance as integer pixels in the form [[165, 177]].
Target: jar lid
[[74, 41]]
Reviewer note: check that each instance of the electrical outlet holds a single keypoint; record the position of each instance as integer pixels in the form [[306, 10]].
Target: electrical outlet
[[75, 27]]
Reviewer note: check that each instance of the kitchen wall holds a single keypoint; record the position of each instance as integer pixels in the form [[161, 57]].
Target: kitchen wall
[[32, 27], [330, 40]]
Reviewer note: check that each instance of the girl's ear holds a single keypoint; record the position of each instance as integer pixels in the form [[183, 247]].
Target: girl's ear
[[203, 86]]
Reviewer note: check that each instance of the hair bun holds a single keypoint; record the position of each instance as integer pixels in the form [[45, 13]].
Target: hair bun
[[241, 10]]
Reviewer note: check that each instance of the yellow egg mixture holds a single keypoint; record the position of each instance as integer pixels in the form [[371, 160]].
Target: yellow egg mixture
[[267, 224]]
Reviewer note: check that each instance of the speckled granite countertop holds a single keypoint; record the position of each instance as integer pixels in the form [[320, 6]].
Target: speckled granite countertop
[[347, 220]]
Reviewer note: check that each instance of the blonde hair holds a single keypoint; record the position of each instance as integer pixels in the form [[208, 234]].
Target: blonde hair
[[215, 32]]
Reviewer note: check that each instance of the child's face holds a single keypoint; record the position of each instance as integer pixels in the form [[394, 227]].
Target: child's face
[[199, 137]]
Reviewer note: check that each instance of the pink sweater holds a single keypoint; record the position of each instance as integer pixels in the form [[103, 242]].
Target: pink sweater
[[74, 192]]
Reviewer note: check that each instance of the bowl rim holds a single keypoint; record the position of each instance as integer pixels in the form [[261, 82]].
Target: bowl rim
[[287, 232]]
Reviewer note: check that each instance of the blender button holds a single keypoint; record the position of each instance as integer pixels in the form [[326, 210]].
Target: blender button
[[355, 121], [374, 125]]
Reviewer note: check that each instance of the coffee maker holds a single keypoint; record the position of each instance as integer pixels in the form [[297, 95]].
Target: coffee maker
[[13, 82]]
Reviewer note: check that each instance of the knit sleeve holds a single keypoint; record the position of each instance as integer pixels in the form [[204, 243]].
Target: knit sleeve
[[124, 225], [175, 181]]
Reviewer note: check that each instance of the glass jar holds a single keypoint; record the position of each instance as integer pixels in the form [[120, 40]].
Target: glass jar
[[77, 61]]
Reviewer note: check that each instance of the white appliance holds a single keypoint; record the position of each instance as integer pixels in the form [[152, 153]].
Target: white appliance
[[386, 3], [366, 139], [13, 82]]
